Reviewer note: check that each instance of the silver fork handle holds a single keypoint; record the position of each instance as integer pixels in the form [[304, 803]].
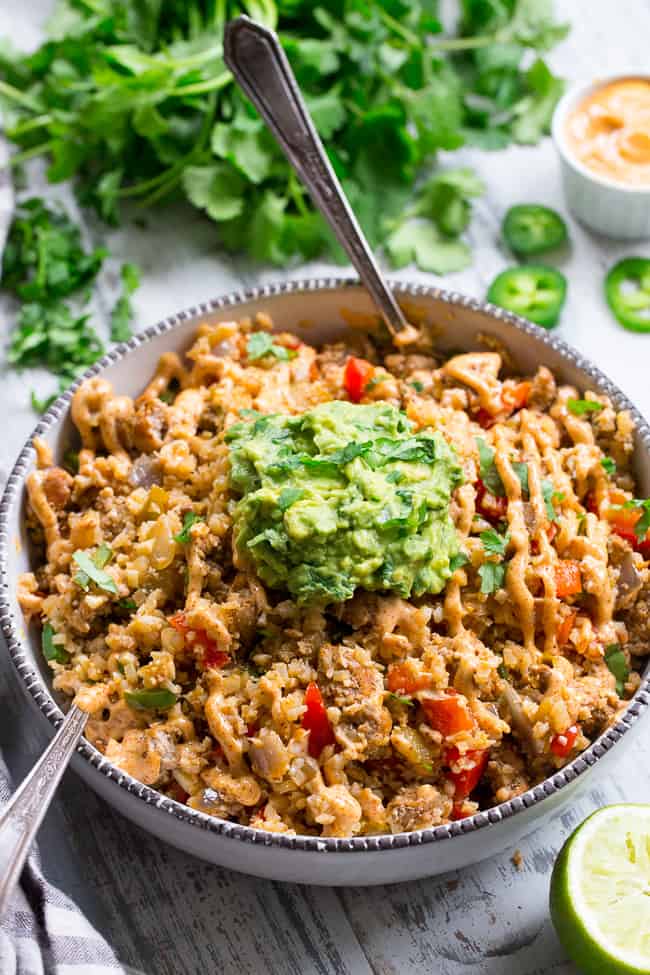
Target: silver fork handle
[[254, 55], [23, 814]]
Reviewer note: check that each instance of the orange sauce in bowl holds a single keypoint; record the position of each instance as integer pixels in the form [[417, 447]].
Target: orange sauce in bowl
[[609, 131]]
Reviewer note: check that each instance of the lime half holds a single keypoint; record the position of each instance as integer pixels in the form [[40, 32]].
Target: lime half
[[600, 892]]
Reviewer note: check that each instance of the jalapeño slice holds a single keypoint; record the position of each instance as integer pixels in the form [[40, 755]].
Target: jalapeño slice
[[534, 291]]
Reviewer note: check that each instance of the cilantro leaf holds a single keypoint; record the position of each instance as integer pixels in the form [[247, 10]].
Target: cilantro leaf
[[493, 575], [550, 495], [289, 496], [608, 465], [493, 543], [419, 241], [617, 662], [580, 406], [122, 314], [261, 344], [521, 470], [155, 698], [458, 561], [487, 469], [133, 103], [52, 650], [44, 258], [533, 113], [92, 572], [189, 518], [41, 405]]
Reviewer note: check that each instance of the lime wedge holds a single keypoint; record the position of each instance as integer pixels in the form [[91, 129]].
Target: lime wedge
[[600, 892]]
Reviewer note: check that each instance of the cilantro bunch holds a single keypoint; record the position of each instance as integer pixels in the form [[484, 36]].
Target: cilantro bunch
[[44, 262], [134, 102]]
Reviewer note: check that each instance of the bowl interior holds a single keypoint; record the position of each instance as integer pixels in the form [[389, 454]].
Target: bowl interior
[[317, 311]]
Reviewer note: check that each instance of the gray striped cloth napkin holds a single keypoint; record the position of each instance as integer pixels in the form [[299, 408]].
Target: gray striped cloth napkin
[[43, 931]]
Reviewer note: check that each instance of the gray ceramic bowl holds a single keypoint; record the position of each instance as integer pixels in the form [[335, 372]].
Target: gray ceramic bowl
[[316, 309]]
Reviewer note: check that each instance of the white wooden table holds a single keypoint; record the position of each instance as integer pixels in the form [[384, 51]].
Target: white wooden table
[[168, 914]]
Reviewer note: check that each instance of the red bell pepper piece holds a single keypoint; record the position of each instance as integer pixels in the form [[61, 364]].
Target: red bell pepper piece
[[356, 376], [316, 722], [485, 419], [562, 745], [402, 678], [178, 793], [565, 627], [568, 581], [516, 397], [212, 655], [468, 778], [489, 505], [448, 714]]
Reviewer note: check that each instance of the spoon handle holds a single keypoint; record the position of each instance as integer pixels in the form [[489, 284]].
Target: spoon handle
[[22, 816], [256, 59]]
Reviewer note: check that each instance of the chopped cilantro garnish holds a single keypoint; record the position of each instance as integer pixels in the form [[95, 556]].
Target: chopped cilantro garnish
[[401, 699], [493, 543], [493, 575], [103, 555], [157, 698], [580, 406], [458, 561], [608, 465], [289, 496], [52, 650], [521, 470], [417, 385], [189, 518], [617, 663], [487, 469], [261, 344], [92, 572], [550, 495], [503, 671], [71, 461]]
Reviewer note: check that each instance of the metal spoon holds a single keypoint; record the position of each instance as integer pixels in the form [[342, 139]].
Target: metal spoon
[[256, 59], [23, 814]]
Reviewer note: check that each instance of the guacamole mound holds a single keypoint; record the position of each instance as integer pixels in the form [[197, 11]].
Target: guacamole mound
[[343, 496]]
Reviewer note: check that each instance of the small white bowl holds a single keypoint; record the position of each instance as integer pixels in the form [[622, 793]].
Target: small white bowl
[[605, 205]]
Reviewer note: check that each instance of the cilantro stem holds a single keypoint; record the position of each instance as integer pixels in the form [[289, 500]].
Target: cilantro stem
[[19, 96], [295, 192], [175, 172], [21, 157], [28, 125], [219, 17], [412, 39], [135, 189], [212, 84], [464, 43]]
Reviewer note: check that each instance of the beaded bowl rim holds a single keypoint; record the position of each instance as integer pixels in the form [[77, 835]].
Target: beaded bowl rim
[[40, 692]]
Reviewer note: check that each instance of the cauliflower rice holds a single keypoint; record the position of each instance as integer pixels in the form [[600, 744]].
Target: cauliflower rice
[[377, 714]]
